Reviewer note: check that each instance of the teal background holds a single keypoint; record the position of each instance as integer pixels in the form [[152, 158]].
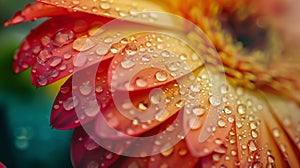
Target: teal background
[[26, 139]]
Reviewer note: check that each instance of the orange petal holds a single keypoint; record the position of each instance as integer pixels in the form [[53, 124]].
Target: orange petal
[[255, 145], [211, 116], [35, 11], [141, 11]]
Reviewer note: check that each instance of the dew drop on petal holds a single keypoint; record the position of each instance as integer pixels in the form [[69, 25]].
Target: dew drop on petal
[[194, 123], [131, 49], [182, 152], [43, 56], [199, 111], [161, 115], [276, 133], [92, 109], [166, 149], [221, 123], [55, 61], [127, 63], [105, 6], [161, 76], [70, 103], [102, 50], [241, 109], [79, 60], [214, 100], [83, 43], [140, 82], [63, 37], [252, 146], [85, 88], [227, 110], [254, 133]]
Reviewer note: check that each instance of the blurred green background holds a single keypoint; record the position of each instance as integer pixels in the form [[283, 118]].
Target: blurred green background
[[26, 139]]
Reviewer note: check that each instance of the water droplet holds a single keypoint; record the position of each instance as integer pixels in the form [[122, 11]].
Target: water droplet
[[63, 37], [199, 111], [99, 89], [70, 103], [194, 123], [115, 48], [221, 123], [227, 110], [224, 89], [140, 82], [102, 50], [253, 125], [271, 159], [43, 56], [165, 53], [55, 61], [254, 133], [142, 106], [166, 149], [79, 60], [216, 157], [182, 152], [83, 43], [127, 63], [85, 88], [173, 66], [42, 81], [276, 133], [131, 49], [161, 76], [214, 100], [183, 57], [241, 109], [252, 146], [161, 115], [105, 6], [89, 144], [109, 155], [45, 40]]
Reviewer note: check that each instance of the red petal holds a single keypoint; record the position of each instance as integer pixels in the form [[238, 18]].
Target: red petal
[[49, 47], [85, 152], [35, 11], [71, 106], [2, 165]]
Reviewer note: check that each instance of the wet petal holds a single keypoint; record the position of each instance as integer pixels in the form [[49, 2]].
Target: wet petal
[[74, 105], [141, 11], [210, 116], [85, 152], [50, 49], [35, 11], [255, 144]]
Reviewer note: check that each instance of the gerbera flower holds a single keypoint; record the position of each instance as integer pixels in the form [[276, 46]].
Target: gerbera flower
[[166, 84]]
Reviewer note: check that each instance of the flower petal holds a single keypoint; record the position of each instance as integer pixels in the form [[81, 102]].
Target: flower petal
[[211, 116], [34, 11], [141, 11], [283, 122], [255, 144], [50, 49], [73, 105], [85, 152]]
